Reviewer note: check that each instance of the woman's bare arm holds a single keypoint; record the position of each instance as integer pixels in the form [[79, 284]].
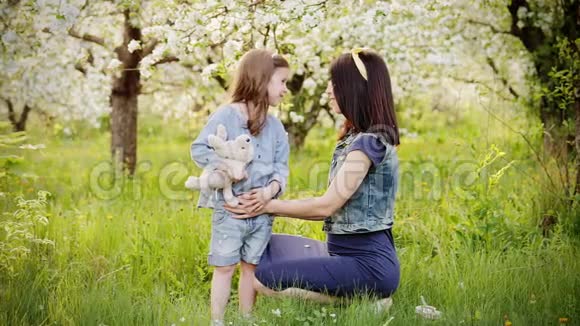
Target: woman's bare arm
[[342, 187]]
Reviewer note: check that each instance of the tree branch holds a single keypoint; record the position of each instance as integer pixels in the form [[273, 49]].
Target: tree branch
[[266, 35], [479, 82], [275, 39], [492, 27], [166, 60], [19, 124], [86, 37], [255, 3], [149, 47], [503, 80], [11, 113]]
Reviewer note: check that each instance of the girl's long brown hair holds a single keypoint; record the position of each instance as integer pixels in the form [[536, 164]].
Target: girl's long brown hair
[[251, 84]]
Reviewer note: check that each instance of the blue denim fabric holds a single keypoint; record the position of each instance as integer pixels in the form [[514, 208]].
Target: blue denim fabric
[[271, 152], [371, 207], [234, 239]]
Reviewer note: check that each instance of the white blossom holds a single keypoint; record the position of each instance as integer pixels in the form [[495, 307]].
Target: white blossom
[[209, 70], [114, 64], [133, 46]]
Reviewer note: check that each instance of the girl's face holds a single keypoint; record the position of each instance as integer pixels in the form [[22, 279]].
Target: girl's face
[[331, 99], [277, 85]]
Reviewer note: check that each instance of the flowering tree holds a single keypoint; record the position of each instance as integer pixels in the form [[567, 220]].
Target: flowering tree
[[126, 41], [310, 34], [83, 59], [546, 36], [46, 72]]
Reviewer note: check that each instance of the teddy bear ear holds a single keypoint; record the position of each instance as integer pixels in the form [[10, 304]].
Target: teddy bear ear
[[215, 142], [221, 132]]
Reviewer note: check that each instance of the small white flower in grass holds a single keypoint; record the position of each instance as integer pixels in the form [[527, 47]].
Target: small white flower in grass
[[182, 319], [133, 46], [333, 315], [32, 147], [277, 312]]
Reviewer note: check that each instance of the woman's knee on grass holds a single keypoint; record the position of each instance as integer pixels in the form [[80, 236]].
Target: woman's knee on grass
[[264, 290]]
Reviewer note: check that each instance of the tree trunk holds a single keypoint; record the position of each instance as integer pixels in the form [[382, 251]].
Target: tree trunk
[[545, 58], [577, 141], [18, 124], [296, 136], [552, 136], [126, 89], [297, 131]]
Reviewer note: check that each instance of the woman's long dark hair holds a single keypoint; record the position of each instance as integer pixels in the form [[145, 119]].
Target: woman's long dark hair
[[367, 105]]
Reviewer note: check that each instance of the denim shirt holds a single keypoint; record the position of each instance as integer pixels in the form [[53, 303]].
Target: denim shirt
[[271, 152], [371, 207]]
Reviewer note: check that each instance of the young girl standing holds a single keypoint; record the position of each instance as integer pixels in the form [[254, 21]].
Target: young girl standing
[[260, 83]]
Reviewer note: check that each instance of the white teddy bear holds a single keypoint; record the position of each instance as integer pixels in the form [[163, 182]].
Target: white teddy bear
[[234, 156]]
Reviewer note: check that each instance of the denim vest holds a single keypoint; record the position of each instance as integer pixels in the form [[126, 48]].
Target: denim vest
[[371, 207]]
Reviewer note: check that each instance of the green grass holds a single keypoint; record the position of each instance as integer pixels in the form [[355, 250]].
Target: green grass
[[138, 255]]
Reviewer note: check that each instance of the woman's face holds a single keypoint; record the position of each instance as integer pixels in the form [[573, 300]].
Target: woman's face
[[331, 99]]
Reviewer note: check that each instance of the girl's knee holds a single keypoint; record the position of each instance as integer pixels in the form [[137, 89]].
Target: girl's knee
[[247, 267], [225, 270]]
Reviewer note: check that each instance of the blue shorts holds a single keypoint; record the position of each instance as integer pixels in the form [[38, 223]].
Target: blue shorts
[[234, 239]]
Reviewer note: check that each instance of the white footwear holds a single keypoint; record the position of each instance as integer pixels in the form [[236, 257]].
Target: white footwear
[[383, 305], [217, 322], [428, 312]]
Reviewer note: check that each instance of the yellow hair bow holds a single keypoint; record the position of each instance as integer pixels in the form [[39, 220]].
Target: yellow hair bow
[[358, 62]]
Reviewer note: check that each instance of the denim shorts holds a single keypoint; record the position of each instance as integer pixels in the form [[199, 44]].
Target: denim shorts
[[234, 239]]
